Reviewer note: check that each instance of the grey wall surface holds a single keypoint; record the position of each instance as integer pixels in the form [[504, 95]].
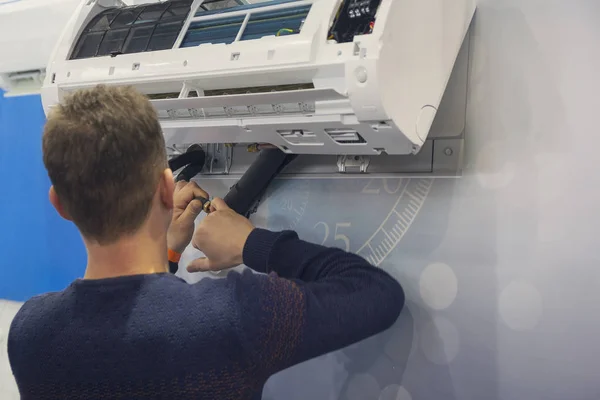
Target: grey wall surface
[[500, 267]]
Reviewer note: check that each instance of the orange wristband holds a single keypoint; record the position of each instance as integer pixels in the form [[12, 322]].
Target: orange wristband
[[174, 257]]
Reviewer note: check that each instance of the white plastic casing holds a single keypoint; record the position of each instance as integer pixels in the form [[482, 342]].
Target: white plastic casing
[[29, 30], [386, 86]]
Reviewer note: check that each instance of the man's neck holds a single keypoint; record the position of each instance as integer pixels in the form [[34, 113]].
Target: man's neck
[[134, 255]]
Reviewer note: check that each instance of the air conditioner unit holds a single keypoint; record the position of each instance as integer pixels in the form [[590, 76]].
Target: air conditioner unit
[[29, 30], [352, 85]]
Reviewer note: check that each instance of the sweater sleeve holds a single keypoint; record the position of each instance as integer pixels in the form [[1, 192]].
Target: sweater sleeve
[[311, 301]]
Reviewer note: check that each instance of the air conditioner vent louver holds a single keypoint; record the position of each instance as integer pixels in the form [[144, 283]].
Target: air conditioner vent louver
[[345, 136]]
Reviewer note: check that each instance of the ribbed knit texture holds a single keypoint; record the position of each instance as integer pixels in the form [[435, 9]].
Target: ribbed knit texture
[[158, 337]]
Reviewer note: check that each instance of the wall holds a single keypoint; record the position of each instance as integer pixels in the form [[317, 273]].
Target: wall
[[500, 266]]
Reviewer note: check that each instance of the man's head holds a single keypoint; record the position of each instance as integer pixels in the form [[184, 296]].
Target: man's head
[[105, 155]]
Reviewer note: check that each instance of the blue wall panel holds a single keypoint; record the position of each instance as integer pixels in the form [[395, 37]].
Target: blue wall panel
[[39, 252]]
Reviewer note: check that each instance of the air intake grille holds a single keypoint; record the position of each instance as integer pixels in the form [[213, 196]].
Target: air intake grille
[[132, 29]]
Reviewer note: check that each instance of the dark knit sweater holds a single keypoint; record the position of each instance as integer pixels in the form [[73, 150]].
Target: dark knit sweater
[[158, 337]]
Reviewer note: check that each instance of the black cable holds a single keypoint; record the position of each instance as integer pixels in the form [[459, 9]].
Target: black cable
[[255, 181], [189, 172], [193, 161]]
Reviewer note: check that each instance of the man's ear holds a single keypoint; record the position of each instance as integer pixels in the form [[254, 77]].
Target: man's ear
[[167, 188], [57, 204]]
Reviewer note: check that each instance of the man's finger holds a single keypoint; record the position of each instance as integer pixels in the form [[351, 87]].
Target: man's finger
[[192, 188], [179, 185], [198, 265], [192, 210], [196, 190], [218, 204], [189, 192]]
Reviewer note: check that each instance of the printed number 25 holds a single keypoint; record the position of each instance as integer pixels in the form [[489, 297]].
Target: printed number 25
[[337, 235]]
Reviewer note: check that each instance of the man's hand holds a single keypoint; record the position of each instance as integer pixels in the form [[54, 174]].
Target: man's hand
[[221, 236], [186, 208]]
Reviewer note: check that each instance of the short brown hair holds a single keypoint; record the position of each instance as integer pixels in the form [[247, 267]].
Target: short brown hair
[[104, 151]]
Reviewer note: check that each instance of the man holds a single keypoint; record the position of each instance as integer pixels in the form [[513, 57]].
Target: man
[[131, 330]]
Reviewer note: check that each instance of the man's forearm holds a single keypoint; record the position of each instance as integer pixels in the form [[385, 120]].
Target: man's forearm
[[292, 258], [341, 298]]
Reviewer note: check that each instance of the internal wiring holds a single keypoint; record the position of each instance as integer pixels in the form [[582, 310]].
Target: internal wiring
[[287, 30]]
